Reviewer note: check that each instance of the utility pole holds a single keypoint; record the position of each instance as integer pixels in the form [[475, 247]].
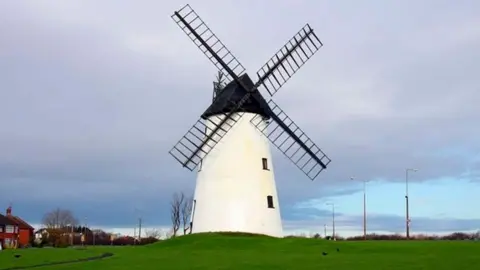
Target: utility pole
[[333, 220], [71, 234], [139, 224], [364, 208], [134, 234], [407, 214], [85, 229], [139, 230], [325, 230]]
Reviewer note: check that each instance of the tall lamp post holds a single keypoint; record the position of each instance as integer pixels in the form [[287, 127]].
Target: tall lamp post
[[333, 220], [85, 239], [407, 214], [71, 233], [364, 208]]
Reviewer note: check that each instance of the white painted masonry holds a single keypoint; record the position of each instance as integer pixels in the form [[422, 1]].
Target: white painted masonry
[[232, 186]]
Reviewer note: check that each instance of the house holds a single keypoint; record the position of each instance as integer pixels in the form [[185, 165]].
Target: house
[[43, 233], [8, 232], [25, 230], [72, 234], [21, 234]]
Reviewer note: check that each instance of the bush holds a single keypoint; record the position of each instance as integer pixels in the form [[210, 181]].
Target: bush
[[61, 242], [459, 236], [149, 240]]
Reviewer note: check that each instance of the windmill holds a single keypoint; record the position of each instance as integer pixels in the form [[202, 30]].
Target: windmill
[[235, 188]]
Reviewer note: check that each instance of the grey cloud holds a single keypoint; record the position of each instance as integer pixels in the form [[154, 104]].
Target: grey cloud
[[93, 94]]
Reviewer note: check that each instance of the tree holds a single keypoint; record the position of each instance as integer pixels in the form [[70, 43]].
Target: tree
[[181, 209], [153, 233], [59, 218], [176, 204], [219, 84], [186, 212]]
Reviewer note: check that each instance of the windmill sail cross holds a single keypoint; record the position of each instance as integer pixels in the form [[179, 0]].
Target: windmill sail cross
[[228, 106]]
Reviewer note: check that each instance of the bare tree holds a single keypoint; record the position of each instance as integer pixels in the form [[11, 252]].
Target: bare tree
[[218, 84], [153, 233], [176, 204], [169, 234], [59, 218], [186, 212]]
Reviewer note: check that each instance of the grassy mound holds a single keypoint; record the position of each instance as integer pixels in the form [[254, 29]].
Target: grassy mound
[[240, 251]]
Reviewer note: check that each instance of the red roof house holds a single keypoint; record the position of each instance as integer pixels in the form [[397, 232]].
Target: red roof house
[[14, 231], [8, 232]]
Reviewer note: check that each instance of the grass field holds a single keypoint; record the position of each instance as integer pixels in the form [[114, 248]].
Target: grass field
[[215, 251]]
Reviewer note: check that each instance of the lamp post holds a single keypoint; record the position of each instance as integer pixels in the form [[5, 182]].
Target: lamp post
[[71, 233], [407, 214], [333, 220], [85, 230], [364, 208]]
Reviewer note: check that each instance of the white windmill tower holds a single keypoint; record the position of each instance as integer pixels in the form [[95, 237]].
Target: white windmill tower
[[235, 189]]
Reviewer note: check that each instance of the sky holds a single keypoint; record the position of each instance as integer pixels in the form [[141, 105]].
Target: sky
[[93, 94]]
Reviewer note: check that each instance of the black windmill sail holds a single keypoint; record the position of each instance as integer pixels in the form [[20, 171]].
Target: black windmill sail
[[240, 94]]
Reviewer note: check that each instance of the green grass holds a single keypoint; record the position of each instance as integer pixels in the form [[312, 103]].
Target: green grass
[[215, 251], [31, 257]]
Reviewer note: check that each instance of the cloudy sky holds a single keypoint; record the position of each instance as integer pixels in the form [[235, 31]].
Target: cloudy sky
[[93, 94]]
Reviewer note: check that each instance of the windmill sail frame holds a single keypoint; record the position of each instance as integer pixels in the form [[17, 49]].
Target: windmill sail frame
[[200, 139], [292, 141]]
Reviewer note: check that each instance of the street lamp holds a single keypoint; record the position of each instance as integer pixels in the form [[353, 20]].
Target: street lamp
[[407, 216], [84, 242], [71, 233], [333, 219], [364, 208]]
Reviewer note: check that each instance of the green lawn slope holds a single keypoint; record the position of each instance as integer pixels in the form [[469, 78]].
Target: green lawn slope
[[31, 257], [231, 251]]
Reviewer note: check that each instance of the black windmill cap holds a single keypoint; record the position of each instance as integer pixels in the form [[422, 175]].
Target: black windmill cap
[[232, 93]]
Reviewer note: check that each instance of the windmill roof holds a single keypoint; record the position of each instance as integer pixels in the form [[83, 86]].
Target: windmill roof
[[232, 93]]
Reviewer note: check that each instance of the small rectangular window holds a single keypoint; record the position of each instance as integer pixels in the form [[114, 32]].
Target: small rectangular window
[[10, 229], [200, 165], [265, 164], [270, 201]]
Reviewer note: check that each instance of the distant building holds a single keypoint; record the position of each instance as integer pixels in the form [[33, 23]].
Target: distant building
[[14, 231], [77, 231]]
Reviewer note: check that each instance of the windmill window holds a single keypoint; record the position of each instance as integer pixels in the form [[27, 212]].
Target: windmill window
[[270, 201], [200, 165], [265, 164]]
